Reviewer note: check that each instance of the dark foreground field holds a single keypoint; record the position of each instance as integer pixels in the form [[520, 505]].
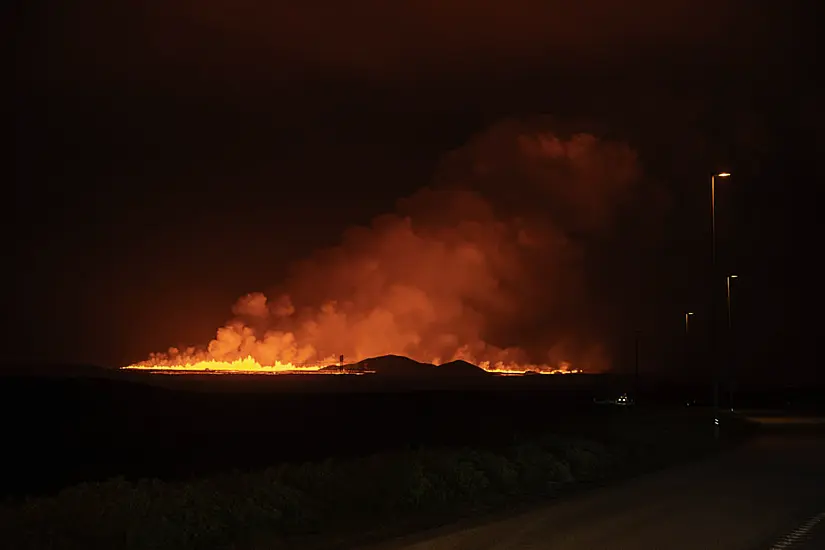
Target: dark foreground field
[[61, 431], [241, 466]]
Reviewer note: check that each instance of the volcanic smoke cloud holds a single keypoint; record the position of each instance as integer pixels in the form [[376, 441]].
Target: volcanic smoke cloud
[[485, 265]]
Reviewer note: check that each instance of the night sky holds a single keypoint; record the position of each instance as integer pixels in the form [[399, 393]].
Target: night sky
[[171, 157]]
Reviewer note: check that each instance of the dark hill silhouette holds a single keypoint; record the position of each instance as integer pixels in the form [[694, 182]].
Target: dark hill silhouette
[[395, 365], [460, 368], [332, 368], [399, 366]]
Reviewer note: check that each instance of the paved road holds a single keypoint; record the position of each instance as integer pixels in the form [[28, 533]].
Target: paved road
[[808, 535], [752, 498], [812, 541]]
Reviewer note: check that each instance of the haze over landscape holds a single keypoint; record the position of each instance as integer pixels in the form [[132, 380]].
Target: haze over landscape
[[532, 273], [528, 188], [488, 265]]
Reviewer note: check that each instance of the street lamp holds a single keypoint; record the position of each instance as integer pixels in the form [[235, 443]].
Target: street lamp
[[714, 364], [713, 208], [688, 315], [727, 296], [730, 340]]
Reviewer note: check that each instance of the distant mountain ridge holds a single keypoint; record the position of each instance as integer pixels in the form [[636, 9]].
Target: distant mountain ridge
[[400, 366]]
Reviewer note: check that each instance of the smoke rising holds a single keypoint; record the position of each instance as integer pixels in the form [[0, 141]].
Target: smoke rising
[[487, 264]]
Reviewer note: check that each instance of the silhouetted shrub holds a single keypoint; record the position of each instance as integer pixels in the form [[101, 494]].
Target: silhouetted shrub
[[242, 509]]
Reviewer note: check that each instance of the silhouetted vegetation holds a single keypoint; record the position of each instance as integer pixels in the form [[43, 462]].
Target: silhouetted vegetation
[[171, 462], [66, 431], [289, 504]]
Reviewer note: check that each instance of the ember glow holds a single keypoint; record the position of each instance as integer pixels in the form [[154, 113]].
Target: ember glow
[[248, 365], [485, 266]]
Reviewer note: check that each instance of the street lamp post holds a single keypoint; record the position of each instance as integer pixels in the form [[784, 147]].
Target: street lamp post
[[636, 372], [713, 336], [731, 343], [688, 315], [727, 296]]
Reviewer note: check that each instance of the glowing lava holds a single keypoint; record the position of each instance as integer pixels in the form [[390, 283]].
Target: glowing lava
[[249, 365], [246, 365], [489, 253], [514, 369]]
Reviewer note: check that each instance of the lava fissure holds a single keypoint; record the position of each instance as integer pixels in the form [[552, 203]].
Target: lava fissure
[[486, 266]]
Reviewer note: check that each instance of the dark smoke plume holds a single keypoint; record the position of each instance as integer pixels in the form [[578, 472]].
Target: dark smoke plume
[[488, 264]]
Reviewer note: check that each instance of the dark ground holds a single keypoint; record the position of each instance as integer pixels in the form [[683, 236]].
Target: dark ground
[[758, 496], [95, 425]]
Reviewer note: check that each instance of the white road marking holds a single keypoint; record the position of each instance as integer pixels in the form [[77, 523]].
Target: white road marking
[[799, 534]]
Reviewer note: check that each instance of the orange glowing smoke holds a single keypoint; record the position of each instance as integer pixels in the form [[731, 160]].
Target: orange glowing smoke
[[486, 266]]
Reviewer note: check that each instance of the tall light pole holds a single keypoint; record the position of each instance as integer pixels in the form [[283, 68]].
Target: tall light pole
[[713, 207], [714, 359], [727, 296], [688, 315], [636, 373], [731, 343]]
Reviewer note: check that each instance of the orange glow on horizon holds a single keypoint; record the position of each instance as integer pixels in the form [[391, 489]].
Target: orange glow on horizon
[[439, 279], [249, 365]]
